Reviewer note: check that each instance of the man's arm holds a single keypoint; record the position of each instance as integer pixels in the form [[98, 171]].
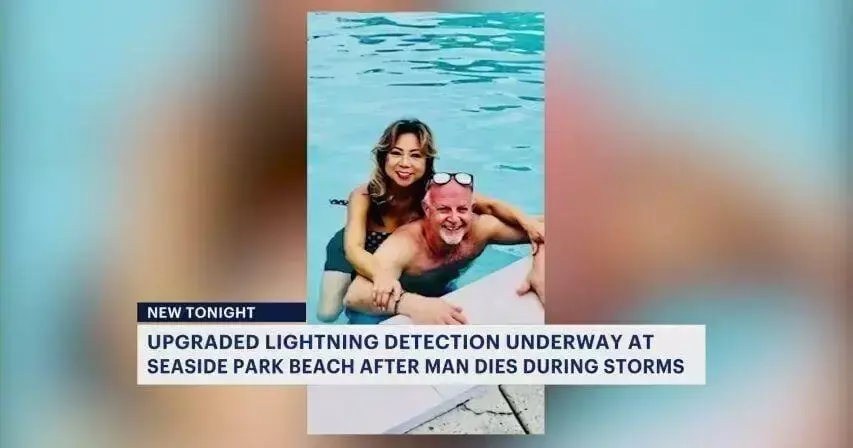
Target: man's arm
[[393, 256], [535, 280], [495, 231]]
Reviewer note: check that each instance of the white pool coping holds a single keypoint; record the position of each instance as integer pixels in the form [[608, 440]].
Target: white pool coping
[[397, 409]]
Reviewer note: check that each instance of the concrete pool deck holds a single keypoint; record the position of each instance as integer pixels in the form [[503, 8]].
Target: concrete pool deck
[[500, 410], [444, 409]]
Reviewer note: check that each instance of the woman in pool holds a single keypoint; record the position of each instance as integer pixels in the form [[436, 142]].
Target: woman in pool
[[404, 161]]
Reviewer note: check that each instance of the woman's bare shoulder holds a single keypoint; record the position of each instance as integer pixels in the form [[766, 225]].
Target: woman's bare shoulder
[[359, 195], [360, 190]]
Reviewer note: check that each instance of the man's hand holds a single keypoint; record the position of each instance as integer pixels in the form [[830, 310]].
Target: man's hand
[[535, 232], [386, 289], [535, 281], [432, 311]]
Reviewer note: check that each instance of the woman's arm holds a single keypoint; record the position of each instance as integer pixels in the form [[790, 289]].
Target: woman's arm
[[364, 262], [393, 256]]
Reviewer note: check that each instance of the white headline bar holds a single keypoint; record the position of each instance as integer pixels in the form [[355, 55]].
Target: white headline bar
[[427, 355]]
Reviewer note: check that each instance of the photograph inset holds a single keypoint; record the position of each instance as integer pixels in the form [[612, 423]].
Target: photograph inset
[[426, 199]]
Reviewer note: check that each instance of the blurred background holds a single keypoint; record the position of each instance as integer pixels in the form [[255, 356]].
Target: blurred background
[[694, 174]]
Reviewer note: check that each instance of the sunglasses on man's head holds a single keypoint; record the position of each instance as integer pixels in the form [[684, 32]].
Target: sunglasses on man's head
[[460, 178]]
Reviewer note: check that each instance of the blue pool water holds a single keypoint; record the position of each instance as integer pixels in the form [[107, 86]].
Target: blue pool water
[[476, 79]]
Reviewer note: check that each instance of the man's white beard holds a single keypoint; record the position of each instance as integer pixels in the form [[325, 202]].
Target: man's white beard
[[451, 237]]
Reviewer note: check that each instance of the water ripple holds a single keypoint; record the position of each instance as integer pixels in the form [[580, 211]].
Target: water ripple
[[492, 108], [476, 80], [468, 49], [505, 167], [378, 21], [418, 84], [499, 20]]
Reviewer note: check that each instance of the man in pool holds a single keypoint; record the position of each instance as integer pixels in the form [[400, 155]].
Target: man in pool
[[429, 254]]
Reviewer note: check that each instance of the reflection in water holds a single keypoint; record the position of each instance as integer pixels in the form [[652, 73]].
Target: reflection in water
[[515, 21], [504, 36]]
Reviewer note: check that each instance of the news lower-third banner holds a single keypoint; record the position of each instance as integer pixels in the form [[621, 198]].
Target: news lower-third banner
[[220, 312], [259, 344]]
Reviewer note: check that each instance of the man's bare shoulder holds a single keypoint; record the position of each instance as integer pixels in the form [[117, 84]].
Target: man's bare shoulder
[[484, 225], [402, 243], [486, 220]]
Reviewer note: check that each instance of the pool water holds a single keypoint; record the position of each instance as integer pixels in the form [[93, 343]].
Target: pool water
[[476, 79]]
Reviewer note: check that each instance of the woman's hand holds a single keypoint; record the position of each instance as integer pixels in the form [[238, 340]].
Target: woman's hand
[[437, 312], [385, 288], [535, 232]]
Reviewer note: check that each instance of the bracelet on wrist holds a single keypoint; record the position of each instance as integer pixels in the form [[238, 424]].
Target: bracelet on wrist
[[397, 303]]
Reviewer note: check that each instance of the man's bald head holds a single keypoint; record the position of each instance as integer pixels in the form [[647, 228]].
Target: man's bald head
[[436, 193], [448, 211]]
